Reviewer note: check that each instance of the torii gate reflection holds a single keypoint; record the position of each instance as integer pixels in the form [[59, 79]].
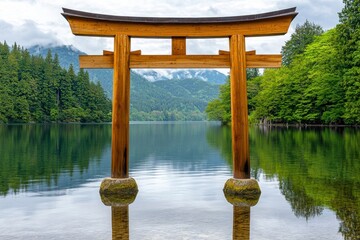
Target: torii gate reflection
[[122, 29], [120, 223]]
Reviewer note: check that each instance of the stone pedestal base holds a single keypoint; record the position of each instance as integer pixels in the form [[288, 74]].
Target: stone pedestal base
[[242, 192], [118, 191]]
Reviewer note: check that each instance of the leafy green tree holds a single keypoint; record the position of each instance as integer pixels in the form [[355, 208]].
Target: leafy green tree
[[220, 109], [325, 93], [215, 111], [307, 91], [349, 38], [303, 36], [270, 97]]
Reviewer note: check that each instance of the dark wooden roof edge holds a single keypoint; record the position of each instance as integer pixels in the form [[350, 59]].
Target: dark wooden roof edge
[[202, 20]]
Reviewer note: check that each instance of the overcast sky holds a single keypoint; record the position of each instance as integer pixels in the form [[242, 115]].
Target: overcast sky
[[30, 22]]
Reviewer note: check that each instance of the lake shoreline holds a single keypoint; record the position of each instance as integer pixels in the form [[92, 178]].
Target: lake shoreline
[[297, 125], [293, 125]]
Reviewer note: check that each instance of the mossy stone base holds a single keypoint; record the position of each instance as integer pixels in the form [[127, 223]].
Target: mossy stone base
[[118, 192], [242, 192]]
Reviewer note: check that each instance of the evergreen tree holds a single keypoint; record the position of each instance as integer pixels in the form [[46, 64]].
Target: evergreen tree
[[37, 90], [67, 98], [6, 102]]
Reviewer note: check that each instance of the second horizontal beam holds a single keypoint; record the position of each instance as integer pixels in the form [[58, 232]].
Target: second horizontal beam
[[180, 61]]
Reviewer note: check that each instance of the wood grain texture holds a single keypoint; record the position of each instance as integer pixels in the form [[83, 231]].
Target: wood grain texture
[[107, 52], [181, 61], [239, 108], [121, 108], [224, 52], [135, 52], [96, 61], [158, 61], [178, 46], [265, 27], [251, 52], [263, 61]]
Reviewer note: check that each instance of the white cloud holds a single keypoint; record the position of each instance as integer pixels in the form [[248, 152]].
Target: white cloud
[[27, 34], [39, 21]]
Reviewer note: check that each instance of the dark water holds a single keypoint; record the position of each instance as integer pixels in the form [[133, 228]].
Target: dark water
[[50, 177]]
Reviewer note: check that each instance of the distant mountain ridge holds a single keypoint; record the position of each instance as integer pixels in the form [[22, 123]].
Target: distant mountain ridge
[[210, 76], [155, 94], [68, 54]]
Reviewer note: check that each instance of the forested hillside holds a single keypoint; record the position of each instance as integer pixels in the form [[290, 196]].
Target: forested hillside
[[319, 82], [69, 55], [36, 89], [169, 100]]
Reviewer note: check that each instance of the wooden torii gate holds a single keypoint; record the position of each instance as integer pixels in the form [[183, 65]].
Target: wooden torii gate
[[122, 29]]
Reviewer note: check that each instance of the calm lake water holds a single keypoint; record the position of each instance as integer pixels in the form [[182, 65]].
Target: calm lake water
[[50, 177]]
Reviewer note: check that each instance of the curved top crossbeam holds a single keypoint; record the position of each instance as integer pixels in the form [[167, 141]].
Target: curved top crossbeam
[[201, 20], [93, 24]]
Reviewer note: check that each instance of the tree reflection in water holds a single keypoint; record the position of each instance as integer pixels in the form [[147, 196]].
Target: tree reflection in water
[[316, 168], [35, 155], [301, 204]]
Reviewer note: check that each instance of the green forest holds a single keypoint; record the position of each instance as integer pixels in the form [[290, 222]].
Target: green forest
[[36, 89], [169, 100], [319, 82]]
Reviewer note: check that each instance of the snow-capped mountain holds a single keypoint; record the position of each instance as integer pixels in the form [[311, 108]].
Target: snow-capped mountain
[[211, 76]]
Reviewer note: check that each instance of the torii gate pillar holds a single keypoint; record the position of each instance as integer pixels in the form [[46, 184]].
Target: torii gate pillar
[[121, 108], [120, 185], [239, 108]]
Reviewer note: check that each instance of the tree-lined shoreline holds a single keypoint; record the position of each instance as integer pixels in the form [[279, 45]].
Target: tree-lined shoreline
[[319, 83], [39, 90]]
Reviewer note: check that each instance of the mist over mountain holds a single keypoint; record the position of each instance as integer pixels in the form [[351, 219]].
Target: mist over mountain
[[210, 76]]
